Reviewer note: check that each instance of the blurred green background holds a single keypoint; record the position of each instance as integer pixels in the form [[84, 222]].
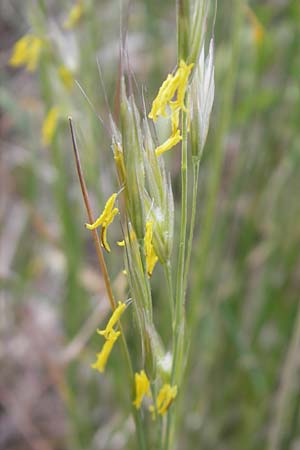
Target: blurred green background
[[243, 389]]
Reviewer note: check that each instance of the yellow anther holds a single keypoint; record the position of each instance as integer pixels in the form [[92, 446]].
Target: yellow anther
[[173, 83], [164, 399], [102, 357], [164, 96], [184, 73], [119, 160], [151, 258], [110, 338], [113, 320], [171, 142], [142, 388], [105, 219]]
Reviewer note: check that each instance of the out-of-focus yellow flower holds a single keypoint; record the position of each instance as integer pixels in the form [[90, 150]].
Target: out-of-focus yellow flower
[[26, 52], [258, 33], [102, 357], [66, 76], [50, 125], [105, 219], [164, 399], [169, 143], [74, 16], [142, 388], [257, 28], [151, 258], [113, 320]]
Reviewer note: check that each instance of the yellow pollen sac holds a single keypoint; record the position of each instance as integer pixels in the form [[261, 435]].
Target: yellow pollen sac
[[151, 258], [171, 142], [119, 160], [50, 125], [165, 398], [113, 320], [102, 357], [26, 52], [121, 243], [164, 96], [184, 73], [104, 242], [105, 219], [106, 214], [173, 83], [66, 76], [74, 16], [142, 388]]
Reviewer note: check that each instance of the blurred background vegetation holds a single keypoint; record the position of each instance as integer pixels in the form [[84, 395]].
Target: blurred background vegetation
[[243, 389]]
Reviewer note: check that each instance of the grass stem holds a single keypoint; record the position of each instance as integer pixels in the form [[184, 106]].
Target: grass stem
[[179, 319], [168, 275], [196, 166]]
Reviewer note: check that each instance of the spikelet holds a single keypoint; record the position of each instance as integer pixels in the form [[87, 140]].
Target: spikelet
[[202, 93], [132, 148], [158, 200]]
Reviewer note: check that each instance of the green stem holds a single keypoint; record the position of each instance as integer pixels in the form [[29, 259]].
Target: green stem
[[179, 319], [136, 414], [168, 275], [159, 437], [196, 166], [183, 28]]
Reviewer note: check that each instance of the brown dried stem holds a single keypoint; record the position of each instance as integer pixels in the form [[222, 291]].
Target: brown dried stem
[[87, 204]]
